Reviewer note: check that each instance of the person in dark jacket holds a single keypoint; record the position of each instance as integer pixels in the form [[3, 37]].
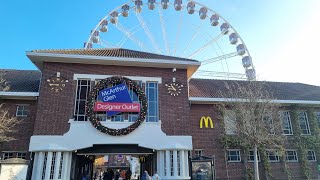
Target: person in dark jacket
[[117, 175], [108, 175], [128, 174]]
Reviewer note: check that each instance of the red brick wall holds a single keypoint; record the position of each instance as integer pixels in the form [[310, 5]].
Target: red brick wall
[[55, 109], [208, 140], [24, 129]]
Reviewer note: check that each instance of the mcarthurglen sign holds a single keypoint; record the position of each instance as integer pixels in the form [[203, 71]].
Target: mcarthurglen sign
[[115, 100]]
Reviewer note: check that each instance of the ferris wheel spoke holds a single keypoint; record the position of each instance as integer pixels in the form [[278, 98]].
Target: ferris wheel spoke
[[219, 74], [148, 33], [107, 44], [219, 58], [130, 35], [164, 33], [178, 34], [125, 37], [193, 36], [206, 45]]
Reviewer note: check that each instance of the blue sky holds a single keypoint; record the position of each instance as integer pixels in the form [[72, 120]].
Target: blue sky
[[282, 36]]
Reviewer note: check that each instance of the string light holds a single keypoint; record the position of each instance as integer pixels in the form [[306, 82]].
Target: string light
[[105, 83]]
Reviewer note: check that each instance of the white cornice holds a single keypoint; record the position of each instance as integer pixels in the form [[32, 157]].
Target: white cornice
[[203, 100], [108, 58], [19, 94]]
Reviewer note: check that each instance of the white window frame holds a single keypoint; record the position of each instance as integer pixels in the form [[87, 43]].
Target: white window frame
[[238, 155], [22, 155], [314, 159], [304, 115], [285, 115], [258, 155], [230, 120], [198, 152], [6, 156], [275, 152], [25, 109], [94, 77], [270, 123], [295, 154]]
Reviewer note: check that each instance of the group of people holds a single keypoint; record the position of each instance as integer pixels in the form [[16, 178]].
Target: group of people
[[123, 175], [109, 174]]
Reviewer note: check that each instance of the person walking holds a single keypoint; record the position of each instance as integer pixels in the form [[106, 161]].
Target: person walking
[[156, 177], [128, 174], [145, 176]]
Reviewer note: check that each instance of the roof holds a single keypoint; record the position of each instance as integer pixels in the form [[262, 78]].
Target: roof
[[22, 80], [112, 52], [210, 88]]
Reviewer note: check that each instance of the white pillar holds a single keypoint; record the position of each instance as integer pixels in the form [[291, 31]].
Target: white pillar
[[186, 158], [175, 163], [38, 165], [182, 163], [48, 165], [161, 161], [158, 162], [66, 167], [57, 165], [168, 170]]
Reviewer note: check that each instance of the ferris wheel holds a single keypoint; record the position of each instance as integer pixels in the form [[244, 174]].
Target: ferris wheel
[[186, 29]]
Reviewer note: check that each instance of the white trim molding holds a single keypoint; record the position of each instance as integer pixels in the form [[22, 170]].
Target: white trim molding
[[19, 95], [93, 77], [205, 100], [156, 138]]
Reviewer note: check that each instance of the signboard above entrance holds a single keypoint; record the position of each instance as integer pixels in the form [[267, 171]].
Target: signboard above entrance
[[118, 100], [114, 100]]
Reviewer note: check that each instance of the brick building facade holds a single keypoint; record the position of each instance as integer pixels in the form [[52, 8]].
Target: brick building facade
[[59, 142]]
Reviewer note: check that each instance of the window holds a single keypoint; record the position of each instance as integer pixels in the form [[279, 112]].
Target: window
[[286, 123], [311, 155], [44, 166], [234, 155], [273, 156], [83, 88], [291, 156], [198, 152], [251, 156], [304, 124], [230, 122], [152, 96], [318, 118], [7, 155], [22, 110], [21, 155]]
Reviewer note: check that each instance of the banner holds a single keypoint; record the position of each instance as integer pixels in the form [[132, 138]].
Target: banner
[[118, 99]]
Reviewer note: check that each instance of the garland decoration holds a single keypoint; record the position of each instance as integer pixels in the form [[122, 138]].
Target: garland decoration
[[104, 83]]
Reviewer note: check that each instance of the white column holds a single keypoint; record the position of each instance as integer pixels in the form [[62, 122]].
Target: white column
[[186, 158], [38, 165], [182, 163], [66, 165], [48, 165], [162, 160], [168, 170], [175, 163], [57, 165], [35, 163], [158, 162]]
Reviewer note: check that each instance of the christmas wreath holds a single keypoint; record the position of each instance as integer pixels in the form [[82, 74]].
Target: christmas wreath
[[102, 84]]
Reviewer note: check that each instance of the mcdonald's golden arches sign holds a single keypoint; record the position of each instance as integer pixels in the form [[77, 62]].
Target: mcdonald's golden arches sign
[[207, 121]]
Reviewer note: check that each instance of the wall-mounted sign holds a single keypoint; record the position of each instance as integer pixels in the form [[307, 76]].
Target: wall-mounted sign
[[207, 121], [116, 100]]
